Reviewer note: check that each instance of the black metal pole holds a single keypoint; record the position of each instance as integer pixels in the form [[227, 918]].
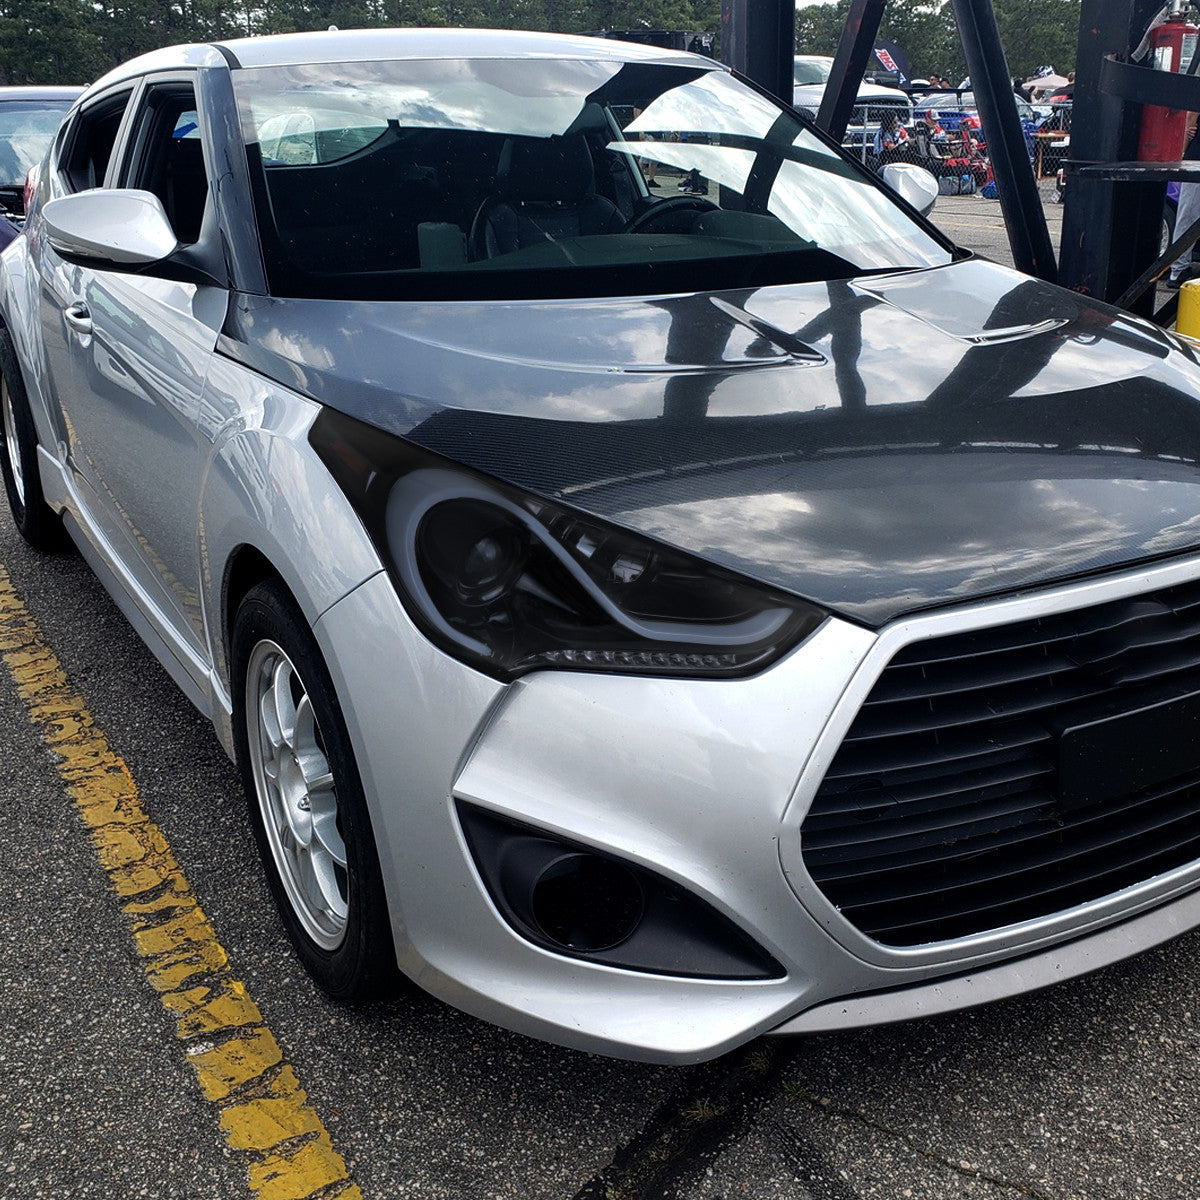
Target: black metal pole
[[758, 39], [1110, 227], [849, 64], [990, 81]]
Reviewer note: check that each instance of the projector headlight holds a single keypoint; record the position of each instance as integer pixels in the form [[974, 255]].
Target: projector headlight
[[512, 583]]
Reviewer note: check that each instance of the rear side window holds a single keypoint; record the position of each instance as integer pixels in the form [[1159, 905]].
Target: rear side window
[[90, 142]]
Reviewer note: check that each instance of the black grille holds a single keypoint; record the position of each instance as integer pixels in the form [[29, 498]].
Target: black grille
[[940, 815]]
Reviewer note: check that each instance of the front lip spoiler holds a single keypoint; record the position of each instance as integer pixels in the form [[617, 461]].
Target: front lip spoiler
[[1069, 960]]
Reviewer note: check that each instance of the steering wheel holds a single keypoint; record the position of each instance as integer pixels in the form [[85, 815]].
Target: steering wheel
[[666, 207]]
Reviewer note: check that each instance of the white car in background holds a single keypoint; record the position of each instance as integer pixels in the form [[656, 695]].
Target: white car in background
[[810, 74]]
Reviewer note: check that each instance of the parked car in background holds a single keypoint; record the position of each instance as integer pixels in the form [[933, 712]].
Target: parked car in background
[[646, 622], [29, 119], [957, 111], [809, 79]]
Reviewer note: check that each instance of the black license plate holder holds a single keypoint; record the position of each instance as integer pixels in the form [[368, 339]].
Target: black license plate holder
[[1123, 754]]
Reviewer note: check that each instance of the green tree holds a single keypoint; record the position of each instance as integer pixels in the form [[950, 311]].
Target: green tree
[[648, 14], [926, 31], [49, 41], [1032, 32], [1035, 33], [55, 41], [928, 35], [131, 27], [819, 27]]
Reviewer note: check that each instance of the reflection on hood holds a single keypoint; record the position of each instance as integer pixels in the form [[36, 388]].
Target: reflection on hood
[[877, 446]]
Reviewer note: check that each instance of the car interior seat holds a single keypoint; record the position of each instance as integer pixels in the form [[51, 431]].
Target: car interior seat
[[184, 187], [544, 191]]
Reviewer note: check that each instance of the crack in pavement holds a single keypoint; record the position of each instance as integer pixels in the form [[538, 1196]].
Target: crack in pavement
[[802, 1095], [710, 1111]]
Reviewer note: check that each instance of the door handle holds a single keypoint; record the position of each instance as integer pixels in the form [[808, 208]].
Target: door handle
[[78, 318]]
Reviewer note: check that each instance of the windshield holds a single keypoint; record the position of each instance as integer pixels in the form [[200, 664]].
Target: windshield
[[504, 178], [966, 103], [27, 127], [811, 70], [950, 100]]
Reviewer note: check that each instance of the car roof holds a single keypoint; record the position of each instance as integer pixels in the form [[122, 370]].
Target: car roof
[[39, 93], [367, 45], [866, 91]]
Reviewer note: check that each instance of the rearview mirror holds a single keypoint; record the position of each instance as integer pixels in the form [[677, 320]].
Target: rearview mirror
[[110, 228]]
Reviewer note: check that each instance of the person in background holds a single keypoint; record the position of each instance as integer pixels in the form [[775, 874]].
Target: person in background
[[928, 138], [1065, 93], [649, 165], [1187, 212], [890, 136], [931, 127]]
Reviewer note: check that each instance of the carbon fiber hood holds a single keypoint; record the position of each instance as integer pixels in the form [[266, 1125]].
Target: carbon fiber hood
[[876, 446]]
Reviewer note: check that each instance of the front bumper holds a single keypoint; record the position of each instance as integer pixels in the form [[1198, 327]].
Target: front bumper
[[705, 783], [1070, 960]]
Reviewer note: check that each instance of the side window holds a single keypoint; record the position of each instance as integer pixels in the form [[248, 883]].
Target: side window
[[90, 141], [168, 157]]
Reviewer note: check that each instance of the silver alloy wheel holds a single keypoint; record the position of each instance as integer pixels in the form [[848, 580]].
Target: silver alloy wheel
[[296, 794], [12, 449]]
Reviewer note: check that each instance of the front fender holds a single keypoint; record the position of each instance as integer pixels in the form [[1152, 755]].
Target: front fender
[[265, 489], [19, 313]]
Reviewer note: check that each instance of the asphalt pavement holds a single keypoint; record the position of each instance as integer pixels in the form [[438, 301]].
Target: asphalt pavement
[[977, 223], [1087, 1091]]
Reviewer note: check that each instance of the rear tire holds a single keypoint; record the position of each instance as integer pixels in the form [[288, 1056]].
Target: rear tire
[[35, 520], [306, 800]]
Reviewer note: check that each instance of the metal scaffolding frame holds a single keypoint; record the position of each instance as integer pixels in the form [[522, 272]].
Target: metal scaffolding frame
[[1110, 242]]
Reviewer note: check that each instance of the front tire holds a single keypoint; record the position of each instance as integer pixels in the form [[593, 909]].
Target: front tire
[[35, 520], [306, 800]]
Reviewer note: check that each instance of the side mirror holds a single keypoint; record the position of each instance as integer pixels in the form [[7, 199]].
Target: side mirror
[[111, 229], [912, 183]]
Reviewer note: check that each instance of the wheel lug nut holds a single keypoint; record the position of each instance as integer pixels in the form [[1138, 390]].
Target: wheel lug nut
[[304, 804]]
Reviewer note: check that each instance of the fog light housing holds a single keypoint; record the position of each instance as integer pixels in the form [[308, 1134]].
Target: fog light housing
[[586, 902], [583, 903]]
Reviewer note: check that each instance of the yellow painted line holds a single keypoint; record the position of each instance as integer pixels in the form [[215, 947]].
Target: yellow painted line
[[262, 1109]]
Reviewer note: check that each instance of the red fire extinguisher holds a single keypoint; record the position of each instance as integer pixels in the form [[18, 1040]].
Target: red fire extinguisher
[[1162, 131]]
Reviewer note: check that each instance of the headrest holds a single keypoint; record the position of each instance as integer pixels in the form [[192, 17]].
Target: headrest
[[545, 169]]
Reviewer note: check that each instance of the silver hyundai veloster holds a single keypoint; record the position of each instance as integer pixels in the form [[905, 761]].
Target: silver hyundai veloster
[[657, 590]]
